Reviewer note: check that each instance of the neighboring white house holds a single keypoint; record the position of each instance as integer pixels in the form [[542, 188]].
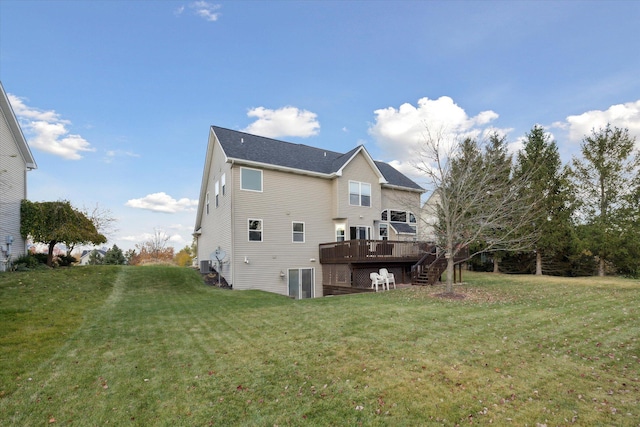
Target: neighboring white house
[[15, 161], [267, 205], [86, 255]]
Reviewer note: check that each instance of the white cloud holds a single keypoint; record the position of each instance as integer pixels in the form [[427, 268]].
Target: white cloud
[[48, 132], [111, 155], [286, 121], [162, 202], [620, 115], [205, 10], [400, 132]]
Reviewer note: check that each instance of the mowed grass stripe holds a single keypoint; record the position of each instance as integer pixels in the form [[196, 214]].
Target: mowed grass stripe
[[167, 350]]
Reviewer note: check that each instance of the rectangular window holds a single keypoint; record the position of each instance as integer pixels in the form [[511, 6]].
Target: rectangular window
[[223, 183], [340, 234], [359, 193], [207, 204], [251, 179], [384, 231], [298, 232], [398, 216], [301, 282], [217, 194], [255, 230]]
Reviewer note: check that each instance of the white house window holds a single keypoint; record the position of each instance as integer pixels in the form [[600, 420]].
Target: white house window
[[403, 222], [251, 179], [255, 230], [300, 282], [398, 216], [298, 232], [223, 183], [359, 193], [384, 231], [340, 234], [207, 204], [217, 194]]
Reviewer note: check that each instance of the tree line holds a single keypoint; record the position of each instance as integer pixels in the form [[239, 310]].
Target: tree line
[[53, 223], [530, 213]]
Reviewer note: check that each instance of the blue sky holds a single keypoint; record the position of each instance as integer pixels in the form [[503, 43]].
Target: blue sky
[[116, 97]]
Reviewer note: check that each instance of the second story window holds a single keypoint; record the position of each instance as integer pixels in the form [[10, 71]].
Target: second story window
[[298, 232], [359, 193], [255, 230], [251, 179], [223, 183], [217, 194], [207, 204]]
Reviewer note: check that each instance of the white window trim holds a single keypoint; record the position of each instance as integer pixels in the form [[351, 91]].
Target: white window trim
[[223, 183], [217, 194], [261, 180], [360, 183], [249, 230], [313, 280], [207, 204], [293, 232]]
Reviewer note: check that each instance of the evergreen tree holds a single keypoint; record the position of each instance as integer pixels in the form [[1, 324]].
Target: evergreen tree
[[550, 191], [605, 178], [114, 256], [497, 161], [95, 258]]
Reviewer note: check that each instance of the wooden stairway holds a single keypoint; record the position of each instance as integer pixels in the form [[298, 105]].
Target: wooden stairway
[[428, 270]]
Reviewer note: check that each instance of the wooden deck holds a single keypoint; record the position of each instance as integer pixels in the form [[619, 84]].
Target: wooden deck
[[346, 265], [372, 251]]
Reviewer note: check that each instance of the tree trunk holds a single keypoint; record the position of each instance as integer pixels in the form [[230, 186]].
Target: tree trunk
[[601, 267], [538, 263], [496, 265], [52, 244], [450, 273]]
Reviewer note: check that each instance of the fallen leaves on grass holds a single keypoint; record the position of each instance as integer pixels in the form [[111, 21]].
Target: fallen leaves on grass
[[462, 292]]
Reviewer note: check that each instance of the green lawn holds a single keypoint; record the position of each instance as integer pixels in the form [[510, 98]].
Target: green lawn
[[154, 346]]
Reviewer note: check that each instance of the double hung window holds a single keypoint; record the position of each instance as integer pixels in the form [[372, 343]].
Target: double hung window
[[255, 230], [359, 193], [298, 232]]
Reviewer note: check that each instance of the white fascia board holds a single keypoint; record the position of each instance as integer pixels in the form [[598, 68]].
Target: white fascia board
[[372, 163], [260, 165]]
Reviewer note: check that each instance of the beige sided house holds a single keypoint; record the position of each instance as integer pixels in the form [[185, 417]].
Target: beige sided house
[[15, 161], [289, 218]]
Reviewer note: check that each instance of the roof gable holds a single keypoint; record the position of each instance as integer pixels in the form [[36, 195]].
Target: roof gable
[[258, 150], [15, 129]]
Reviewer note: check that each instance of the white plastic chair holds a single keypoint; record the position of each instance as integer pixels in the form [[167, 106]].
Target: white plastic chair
[[376, 280], [388, 277]]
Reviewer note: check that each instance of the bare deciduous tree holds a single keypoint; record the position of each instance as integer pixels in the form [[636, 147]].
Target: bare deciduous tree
[[478, 201]]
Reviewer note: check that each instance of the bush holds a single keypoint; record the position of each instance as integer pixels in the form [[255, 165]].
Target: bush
[[29, 262], [66, 260]]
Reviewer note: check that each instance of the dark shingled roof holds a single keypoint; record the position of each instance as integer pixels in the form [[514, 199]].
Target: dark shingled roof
[[402, 227], [253, 148]]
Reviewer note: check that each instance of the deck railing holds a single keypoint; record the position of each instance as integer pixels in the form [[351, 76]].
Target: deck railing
[[356, 251]]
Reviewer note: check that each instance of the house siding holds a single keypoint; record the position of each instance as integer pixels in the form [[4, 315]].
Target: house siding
[[286, 198], [216, 225], [359, 169], [13, 169]]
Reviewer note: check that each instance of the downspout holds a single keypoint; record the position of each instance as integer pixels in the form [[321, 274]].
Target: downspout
[[233, 233]]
